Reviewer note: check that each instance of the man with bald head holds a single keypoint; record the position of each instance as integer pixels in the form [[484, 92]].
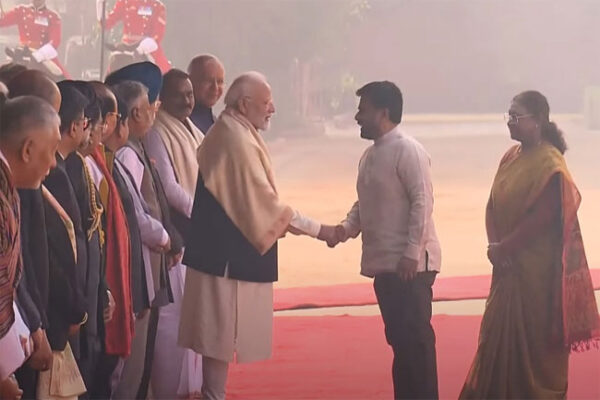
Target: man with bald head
[[231, 252], [35, 83], [207, 75], [33, 292], [28, 137]]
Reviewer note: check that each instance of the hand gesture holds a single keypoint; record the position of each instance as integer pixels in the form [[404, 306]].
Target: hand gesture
[[74, 329], [9, 389], [27, 345], [109, 311], [164, 248], [498, 255], [174, 259], [341, 233], [329, 235], [407, 268], [41, 359]]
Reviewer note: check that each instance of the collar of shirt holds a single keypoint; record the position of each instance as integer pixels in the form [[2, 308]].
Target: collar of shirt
[[386, 137]]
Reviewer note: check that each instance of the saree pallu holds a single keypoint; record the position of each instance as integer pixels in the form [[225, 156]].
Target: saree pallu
[[543, 306]]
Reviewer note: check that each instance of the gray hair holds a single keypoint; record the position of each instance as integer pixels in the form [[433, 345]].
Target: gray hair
[[199, 62], [21, 114], [243, 86], [129, 92]]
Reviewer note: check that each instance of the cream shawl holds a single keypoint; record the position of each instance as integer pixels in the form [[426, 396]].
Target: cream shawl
[[236, 168], [181, 145]]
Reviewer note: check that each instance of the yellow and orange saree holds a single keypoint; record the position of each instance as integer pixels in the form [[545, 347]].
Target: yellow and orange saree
[[543, 306]]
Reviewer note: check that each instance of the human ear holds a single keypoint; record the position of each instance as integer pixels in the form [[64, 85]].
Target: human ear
[[26, 152]]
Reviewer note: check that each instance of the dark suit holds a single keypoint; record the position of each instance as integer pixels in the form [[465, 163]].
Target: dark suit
[[32, 293], [95, 284], [67, 304]]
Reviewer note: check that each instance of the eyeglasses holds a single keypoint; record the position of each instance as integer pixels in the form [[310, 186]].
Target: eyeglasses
[[85, 121], [116, 114], [514, 118]]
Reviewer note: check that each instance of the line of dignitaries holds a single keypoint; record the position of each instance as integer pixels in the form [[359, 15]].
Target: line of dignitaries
[[97, 184]]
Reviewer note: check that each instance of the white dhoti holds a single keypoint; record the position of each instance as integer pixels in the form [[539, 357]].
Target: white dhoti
[[223, 317], [176, 371]]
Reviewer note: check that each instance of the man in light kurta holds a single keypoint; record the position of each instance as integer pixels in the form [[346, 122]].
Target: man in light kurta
[[231, 251], [172, 144], [400, 249]]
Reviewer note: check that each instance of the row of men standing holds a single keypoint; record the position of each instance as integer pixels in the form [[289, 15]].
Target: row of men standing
[[102, 279]]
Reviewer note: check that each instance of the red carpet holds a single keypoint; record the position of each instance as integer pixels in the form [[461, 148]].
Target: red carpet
[[453, 288], [347, 358]]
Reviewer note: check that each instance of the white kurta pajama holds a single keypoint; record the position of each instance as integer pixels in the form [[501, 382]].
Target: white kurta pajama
[[176, 371], [227, 319]]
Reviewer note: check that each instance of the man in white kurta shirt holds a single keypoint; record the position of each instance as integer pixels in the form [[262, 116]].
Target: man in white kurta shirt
[[400, 247], [231, 254], [172, 144], [153, 235]]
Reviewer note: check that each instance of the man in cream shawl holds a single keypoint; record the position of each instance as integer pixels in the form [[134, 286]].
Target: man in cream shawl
[[172, 144], [231, 251]]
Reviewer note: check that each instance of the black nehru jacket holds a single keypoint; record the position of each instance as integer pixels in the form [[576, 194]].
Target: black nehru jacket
[[215, 243]]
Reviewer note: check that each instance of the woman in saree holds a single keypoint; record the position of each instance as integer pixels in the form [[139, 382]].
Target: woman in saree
[[541, 304]]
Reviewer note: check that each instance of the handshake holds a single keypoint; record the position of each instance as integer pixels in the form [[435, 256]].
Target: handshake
[[333, 234]]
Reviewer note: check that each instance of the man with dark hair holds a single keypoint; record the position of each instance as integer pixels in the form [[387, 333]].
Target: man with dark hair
[[98, 298], [400, 247], [66, 241], [384, 95], [35, 83], [123, 252], [10, 70], [28, 137], [172, 144], [208, 78]]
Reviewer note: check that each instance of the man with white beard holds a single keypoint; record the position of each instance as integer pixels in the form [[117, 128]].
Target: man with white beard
[[231, 251]]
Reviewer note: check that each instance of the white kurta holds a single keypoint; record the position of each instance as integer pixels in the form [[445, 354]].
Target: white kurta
[[223, 317], [176, 371]]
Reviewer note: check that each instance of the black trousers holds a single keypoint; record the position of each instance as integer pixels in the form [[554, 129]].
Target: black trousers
[[151, 341], [89, 362], [101, 383], [27, 378], [406, 310]]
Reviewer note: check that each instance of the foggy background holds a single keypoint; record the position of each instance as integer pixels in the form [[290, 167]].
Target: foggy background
[[464, 59], [447, 56]]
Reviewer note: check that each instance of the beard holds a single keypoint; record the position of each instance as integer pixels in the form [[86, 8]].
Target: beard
[[366, 133]]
